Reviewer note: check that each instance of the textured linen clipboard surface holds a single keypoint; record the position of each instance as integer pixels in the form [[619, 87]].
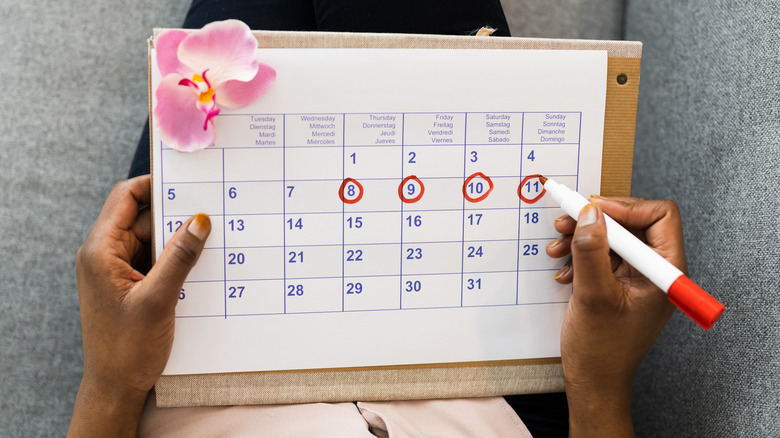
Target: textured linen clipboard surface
[[446, 380]]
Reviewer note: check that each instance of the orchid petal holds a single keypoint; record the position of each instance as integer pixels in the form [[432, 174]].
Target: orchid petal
[[238, 94], [167, 46], [179, 118], [225, 48]]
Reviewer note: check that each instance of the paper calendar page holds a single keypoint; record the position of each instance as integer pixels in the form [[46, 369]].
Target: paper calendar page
[[379, 207]]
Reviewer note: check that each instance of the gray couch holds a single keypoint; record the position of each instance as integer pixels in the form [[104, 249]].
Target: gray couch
[[73, 87]]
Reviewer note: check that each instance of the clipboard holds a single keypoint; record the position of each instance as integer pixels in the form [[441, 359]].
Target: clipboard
[[447, 380]]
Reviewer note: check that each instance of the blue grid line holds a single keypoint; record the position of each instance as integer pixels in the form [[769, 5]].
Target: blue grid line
[[401, 243], [283, 181], [335, 277], [400, 113], [331, 212], [284, 208], [224, 234], [579, 151], [343, 146], [419, 145], [519, 211], [463, 207], [162, 193]]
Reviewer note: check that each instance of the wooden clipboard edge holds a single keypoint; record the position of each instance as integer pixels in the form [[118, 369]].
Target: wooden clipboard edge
[[474, 379], [343, 40], [478, 379], [619, 126]]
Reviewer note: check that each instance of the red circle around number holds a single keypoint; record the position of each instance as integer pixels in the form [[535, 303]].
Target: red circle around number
[[520, 190], [484, 195], [401, 190], [344, 186]]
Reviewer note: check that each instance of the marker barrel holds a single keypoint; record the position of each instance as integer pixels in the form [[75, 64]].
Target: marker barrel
[[685, 294]]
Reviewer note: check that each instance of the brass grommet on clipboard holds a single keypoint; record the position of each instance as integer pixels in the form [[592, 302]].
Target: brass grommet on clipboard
[[622, 78]]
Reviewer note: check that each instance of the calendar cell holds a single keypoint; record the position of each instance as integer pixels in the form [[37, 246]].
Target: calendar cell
[[201, 299], [210, 266], [313, 261], [205, 166], [312, 229], [253, 130], [254, 263], [364, 163], [490, 256], [252, 230], [560, 293], [532, 190], [375, 129], [371, 293], [372, 260], [367, 227], [503, 195], [428, 291], [533, 257], [256, 164], [490, 224], [440, 194], [186, 199], [433, 161], [421, 258], [539, 223], [312, 197], [313, 295], [254, 297], [172, 223], [440, 129], [432, 226], [541, 159], [495, 161], [494, 128], [314, 130], [551, 128], [489, 289], [254, 197], [298, 163], [378, 195]]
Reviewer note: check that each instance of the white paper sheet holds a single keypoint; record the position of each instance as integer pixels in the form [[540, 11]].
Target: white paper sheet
[[294, 277]]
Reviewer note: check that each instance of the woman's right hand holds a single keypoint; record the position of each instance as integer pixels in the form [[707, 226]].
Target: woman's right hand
[[615, 313]]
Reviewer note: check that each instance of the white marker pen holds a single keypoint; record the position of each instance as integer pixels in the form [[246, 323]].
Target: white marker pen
[[684, 293]]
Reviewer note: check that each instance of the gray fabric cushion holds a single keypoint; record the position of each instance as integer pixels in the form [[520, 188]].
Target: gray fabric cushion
[[74, 99], [708, 136], [580, 19]]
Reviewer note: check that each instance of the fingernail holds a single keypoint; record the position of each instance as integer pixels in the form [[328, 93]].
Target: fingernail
[[555, 242], [560, 218], [589, 215], [200, 226], [561, 272], [597, 197]]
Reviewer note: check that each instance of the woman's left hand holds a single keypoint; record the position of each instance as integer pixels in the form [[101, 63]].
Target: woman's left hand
[[127, 318]]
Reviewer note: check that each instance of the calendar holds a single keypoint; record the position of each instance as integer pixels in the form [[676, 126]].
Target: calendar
[[382, 207]]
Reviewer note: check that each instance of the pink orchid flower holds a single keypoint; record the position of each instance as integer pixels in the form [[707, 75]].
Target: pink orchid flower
[[203, 71]]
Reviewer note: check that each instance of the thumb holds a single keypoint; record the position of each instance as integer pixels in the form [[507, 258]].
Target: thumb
[[177, 259], [594, 283]]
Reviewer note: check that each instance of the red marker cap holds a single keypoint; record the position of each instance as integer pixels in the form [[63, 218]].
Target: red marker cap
[[695, 302]]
